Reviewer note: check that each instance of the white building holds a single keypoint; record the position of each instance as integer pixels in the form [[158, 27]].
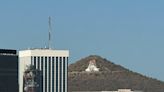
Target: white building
[[52, 65]]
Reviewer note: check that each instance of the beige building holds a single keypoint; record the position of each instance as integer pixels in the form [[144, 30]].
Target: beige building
[[51, 63]]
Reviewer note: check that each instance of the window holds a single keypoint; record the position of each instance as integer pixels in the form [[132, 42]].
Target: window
[[49, 72], [53, 74], [57, 74], [64, 74], [45, 74], [42, 59], [35, 62], [38, 60], [42, 64], [60, 74]]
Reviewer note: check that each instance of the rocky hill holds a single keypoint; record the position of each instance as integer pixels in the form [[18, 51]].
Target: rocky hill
[[110, 77]]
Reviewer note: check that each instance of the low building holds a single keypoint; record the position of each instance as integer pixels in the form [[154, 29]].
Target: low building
[[119, 90]]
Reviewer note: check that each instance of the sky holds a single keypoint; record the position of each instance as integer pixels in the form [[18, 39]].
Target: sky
[[127, 32]]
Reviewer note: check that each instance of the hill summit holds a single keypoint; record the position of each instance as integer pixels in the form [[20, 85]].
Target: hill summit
[[110, 77], [101, 63]]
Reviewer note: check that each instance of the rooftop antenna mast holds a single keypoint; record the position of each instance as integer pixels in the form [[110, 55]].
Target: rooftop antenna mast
[[49, 33]]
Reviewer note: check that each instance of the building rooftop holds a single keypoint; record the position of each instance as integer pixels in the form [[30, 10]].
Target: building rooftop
[[43, 52], [8, 52]]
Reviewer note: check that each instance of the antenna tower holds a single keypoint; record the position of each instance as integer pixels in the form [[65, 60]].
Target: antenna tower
[[49, 33]]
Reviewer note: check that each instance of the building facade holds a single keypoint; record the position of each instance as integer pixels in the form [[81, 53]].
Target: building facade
[[8, 70], [51, 66]]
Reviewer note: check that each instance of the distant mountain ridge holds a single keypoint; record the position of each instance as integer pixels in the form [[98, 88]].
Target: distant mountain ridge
[[111, 77]]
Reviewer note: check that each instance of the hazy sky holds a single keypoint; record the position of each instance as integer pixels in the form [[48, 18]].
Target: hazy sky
[[127, 32]]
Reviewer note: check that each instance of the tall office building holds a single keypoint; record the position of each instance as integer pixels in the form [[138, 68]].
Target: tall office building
[[51, 66], [8, 70]]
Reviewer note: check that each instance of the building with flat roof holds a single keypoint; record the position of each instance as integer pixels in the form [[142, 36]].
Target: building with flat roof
[[8, 70], [52, 66]]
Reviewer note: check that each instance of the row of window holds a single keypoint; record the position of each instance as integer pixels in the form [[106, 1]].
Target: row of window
[[52, 68]]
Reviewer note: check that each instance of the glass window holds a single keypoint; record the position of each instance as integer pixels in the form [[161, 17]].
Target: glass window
[[35, 62], [60, 74], [42, 63], [42, 59], [49, 70], [64, 74], [57, 74], [53, 75], [38, 63], [45, 74]]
